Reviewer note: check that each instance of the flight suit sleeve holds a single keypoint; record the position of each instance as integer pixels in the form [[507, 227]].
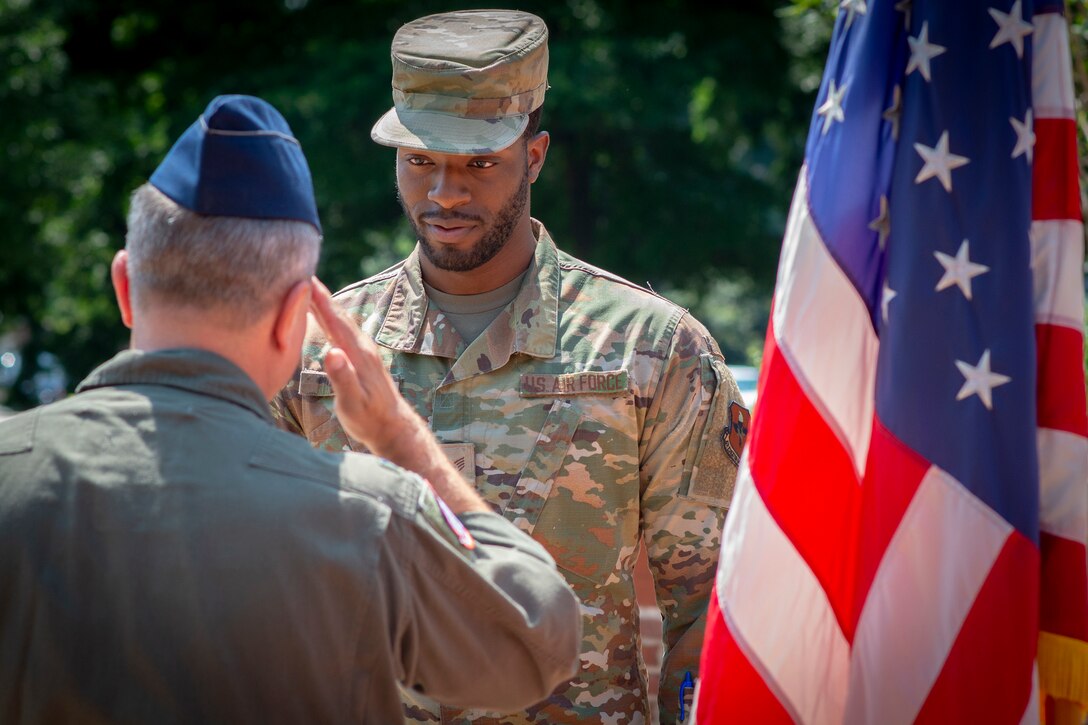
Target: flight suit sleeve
[[689, 455], [479, 616]]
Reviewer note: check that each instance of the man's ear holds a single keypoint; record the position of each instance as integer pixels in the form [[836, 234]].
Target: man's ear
[[537, 151], [122, 288], [289, 326]]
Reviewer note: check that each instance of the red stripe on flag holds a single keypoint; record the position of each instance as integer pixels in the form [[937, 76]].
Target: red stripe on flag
[[892, 475], [1064, 574], [1055, 194], [1061, 395], [988, 674], [806, 480], [730, 689]]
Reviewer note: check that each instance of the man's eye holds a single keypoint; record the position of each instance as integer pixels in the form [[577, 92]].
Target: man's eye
[[481, 164], [416, 160]]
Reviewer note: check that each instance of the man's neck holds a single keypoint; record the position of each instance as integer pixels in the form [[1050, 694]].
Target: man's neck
[[513, 259], [168, 328]]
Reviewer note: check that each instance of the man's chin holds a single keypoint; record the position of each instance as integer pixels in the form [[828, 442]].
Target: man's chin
[[448, 259]]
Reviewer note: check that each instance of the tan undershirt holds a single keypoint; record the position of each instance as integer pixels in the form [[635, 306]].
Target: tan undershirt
[[471, 314]]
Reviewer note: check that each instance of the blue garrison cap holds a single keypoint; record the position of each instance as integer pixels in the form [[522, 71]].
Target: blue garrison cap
[[239, 159]]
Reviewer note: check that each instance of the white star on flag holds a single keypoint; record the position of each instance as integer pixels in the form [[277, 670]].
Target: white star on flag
[[853, 7], [831, 109], [1011, 28], [1025, 137], [922, 51], [959, 270], [980, 381], [885, 299], [939, 162]]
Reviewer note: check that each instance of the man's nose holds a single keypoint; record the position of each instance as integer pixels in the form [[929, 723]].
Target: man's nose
[[448, 188]]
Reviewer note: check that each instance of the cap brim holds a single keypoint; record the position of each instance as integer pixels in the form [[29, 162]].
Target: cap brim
[[441, 132]]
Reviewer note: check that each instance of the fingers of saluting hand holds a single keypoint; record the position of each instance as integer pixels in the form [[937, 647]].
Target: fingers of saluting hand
[[365, 394], [337, 325], [342, 331]]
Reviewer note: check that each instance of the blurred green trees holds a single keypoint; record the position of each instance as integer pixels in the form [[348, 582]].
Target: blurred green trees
[[677, 132]]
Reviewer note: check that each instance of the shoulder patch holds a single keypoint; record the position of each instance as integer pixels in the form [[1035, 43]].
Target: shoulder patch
[[444, 522], [458, 528], [736, 431]]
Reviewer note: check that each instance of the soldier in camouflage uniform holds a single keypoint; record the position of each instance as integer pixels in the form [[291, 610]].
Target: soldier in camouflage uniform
[[592, 413]]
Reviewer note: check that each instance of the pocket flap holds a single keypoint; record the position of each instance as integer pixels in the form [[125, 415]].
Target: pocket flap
[[536, 479]]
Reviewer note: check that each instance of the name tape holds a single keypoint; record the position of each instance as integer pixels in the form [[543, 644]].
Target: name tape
[[540, 385]]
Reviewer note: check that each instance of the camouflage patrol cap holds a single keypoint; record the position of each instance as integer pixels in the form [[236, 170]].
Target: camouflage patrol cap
[[465, 82]]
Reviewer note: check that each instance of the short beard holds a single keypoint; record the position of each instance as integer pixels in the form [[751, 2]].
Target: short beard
[[494, 239]]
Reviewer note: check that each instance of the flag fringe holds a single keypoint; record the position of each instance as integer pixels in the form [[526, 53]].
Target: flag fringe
[[1063, 668]]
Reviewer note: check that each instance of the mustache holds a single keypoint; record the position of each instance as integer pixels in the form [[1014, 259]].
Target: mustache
[[438, 216]]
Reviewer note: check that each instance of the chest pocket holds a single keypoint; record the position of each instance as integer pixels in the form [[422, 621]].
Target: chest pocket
[[537, 478], [575, 495], [319, 420]]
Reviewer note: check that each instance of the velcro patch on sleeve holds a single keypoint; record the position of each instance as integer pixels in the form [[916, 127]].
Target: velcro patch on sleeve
[[543, 385], [724, 431]]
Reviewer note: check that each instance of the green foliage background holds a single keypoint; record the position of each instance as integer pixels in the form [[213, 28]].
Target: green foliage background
[[677, 133], [678, 130]]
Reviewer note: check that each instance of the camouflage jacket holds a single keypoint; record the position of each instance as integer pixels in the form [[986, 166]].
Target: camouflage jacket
[[593, 414]]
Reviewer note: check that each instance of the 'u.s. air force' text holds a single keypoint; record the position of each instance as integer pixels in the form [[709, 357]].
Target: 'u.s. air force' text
[[587, 383]]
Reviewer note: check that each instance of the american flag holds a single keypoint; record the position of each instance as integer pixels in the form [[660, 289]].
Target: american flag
[[907, 538]]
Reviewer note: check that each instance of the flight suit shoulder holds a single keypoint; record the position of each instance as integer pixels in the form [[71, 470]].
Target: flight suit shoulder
[[17, 433], [410, 497]]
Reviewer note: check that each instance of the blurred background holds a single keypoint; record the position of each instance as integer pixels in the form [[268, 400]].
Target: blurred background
[[678, 131]]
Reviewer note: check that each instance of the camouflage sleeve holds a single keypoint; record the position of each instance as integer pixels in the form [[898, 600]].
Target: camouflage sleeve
[[476, 602], [687, 475]]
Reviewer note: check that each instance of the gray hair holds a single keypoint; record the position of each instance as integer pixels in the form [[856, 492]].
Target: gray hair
[[237, 266]]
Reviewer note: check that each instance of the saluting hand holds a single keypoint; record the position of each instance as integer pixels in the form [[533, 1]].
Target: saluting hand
[[368, 403], [371, 409]]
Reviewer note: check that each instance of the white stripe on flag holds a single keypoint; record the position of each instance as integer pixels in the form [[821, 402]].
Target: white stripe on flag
[[778, 612], [1057, 261], [1064, 498], [812, 295], [1052, 74], [946, 542]]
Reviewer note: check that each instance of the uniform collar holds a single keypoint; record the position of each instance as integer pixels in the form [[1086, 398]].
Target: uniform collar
[[529, 325], [196, 371]]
